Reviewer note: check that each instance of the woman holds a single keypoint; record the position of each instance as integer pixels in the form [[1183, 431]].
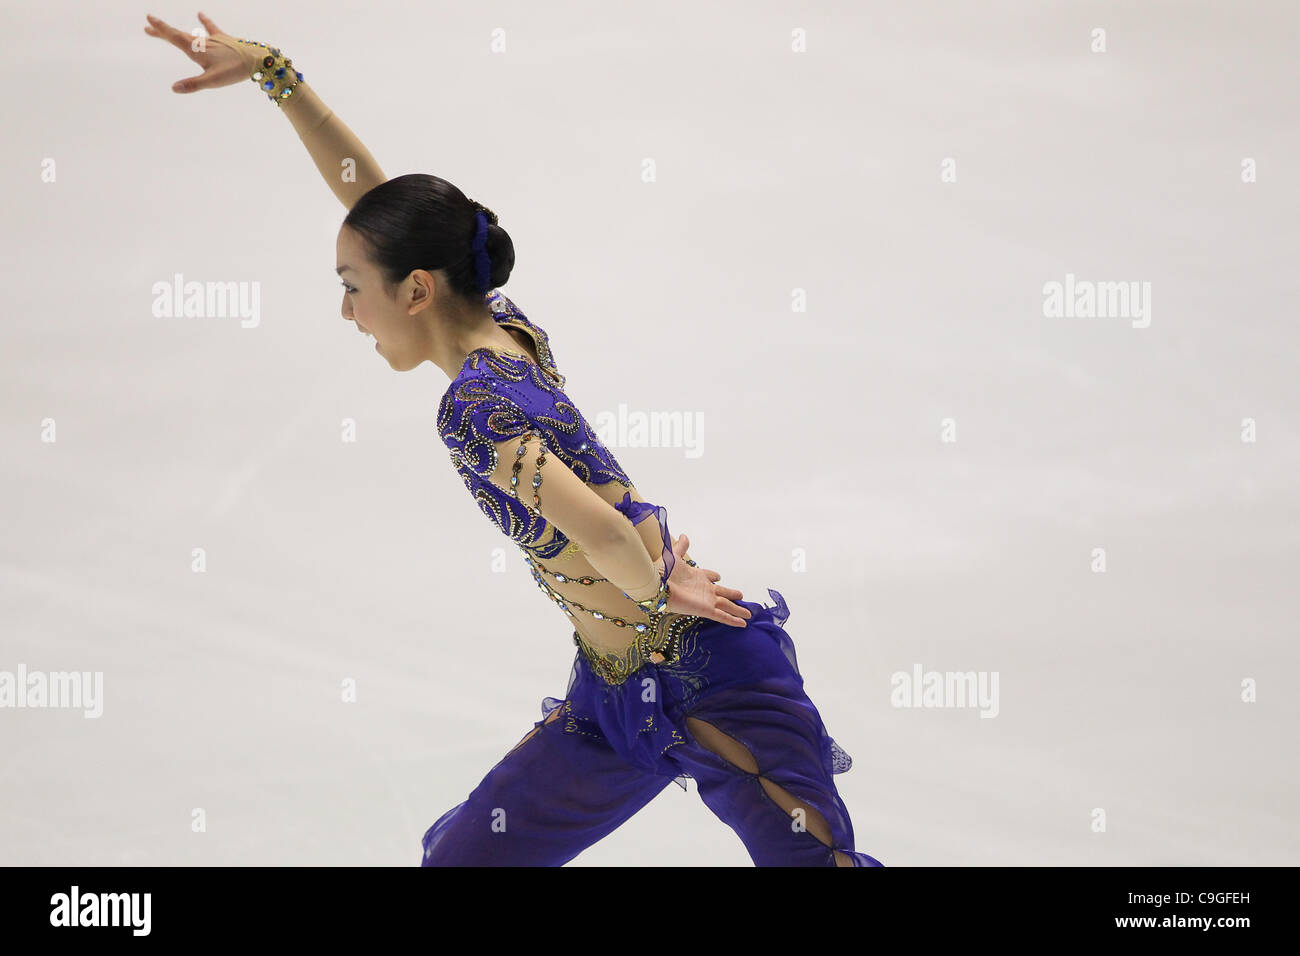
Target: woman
[[675, 675]]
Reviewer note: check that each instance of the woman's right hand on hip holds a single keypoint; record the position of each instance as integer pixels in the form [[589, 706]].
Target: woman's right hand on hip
[[225, 60]]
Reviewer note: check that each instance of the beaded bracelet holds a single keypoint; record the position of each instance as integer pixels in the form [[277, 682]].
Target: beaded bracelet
[[275, 74], [656, 603]]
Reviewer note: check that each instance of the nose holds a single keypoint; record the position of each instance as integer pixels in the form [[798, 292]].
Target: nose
[[347, 308]]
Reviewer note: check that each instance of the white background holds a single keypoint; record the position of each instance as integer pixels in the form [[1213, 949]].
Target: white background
[[775, 171]]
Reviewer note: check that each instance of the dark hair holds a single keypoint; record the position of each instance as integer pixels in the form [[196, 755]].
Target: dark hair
[[420, 221]]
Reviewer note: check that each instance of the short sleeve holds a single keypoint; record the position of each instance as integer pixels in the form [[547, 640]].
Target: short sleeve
[[492, 437], [475, 418]]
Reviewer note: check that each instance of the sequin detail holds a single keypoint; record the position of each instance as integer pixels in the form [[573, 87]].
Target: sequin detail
[[663, 650], [506, 314], [277, 80], [502, 395], [643, 624]]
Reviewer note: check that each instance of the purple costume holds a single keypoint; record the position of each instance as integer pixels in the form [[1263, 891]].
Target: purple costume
[[621, 733]]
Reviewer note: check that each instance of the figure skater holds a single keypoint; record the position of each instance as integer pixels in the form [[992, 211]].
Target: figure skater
[[675, 676]]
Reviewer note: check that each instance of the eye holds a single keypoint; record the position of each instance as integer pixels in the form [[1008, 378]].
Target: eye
[[347, 288]]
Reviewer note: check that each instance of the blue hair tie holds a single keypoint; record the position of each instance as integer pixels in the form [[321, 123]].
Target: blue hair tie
[[482, 262]]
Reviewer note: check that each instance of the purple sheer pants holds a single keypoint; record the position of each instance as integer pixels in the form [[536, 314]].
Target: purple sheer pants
[[612, 748]]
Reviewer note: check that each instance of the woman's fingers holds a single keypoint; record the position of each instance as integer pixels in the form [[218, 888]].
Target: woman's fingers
[[725, 608], [730, 607], [220, 68], [169, 33], [726, 618], [208, 25], [729, 593], [192, 84]]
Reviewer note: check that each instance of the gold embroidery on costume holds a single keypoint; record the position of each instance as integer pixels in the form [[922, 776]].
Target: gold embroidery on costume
[[504, 397], [571, 723], [507, 419], [617, 667], [677, 739], [506, 313], [689, 668]]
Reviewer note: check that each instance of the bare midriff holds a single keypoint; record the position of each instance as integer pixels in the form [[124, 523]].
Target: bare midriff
[[571, 576]]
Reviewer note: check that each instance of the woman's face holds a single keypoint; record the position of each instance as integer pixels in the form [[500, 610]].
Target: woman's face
[[400, 336]]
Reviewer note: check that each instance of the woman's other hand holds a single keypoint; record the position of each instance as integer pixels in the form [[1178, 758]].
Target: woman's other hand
[[225, 62], [694, 590]]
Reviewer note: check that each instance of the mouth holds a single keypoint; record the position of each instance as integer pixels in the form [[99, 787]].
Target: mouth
[[365, 331]]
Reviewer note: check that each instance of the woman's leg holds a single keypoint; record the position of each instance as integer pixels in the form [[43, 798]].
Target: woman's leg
[[557, 792], [758, 750], [777, 827]]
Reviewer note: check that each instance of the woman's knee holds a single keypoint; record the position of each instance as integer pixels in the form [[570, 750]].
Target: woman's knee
[[803, 818]]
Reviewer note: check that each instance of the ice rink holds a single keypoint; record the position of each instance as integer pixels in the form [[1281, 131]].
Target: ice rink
[[821, 235]]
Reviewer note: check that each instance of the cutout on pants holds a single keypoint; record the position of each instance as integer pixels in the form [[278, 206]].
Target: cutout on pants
[[553, 716], [737, 754]]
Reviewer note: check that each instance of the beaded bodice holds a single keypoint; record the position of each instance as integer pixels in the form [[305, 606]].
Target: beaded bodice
[[501, 394]]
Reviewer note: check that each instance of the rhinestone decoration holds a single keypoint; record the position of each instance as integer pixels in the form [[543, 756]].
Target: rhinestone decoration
[[616, 667], [272, 78], [641, 627], [504, 399], [536, 506]]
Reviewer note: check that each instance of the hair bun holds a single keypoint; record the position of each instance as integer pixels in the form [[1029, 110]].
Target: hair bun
[[419, 221]]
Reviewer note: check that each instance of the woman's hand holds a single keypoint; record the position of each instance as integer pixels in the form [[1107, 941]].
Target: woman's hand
[[693, 590], [224, 61]]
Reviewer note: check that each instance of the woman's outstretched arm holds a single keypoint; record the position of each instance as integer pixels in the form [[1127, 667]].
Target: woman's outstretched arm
[[342, 159]]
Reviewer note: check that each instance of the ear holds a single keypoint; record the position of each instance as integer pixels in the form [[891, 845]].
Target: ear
[[424, 289]]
